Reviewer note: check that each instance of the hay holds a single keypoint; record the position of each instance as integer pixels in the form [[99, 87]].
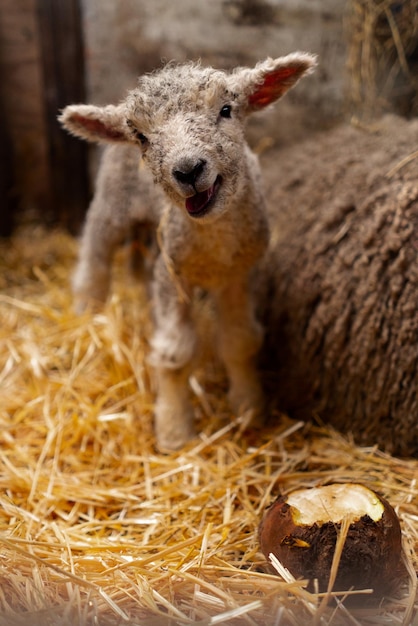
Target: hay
[[382, 39], [98, 528]]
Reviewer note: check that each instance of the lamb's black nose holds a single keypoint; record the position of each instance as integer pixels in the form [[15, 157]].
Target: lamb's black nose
[[189, 174]]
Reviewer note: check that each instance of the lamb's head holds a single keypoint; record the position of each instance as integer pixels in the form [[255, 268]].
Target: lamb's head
[[188, 122]]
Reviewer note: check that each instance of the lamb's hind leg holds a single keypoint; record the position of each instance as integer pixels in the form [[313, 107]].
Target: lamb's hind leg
[[101, 237], [240, 338], [120, 200], [173, 349]]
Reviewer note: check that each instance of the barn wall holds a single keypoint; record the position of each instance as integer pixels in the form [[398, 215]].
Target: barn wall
[[128, 37], [41, 71]]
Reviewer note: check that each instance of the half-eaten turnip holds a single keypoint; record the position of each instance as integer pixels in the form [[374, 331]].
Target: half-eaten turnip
[[302, 528]]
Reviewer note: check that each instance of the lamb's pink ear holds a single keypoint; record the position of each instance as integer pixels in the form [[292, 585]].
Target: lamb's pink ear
[[272, 78], [95, 123]]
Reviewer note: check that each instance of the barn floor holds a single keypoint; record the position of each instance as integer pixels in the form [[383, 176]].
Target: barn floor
[[96, 527]]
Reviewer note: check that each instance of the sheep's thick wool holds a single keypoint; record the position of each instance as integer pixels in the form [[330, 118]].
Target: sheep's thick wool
[[342, 308]]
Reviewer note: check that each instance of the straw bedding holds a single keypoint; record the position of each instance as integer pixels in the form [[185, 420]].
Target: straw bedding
[[98, 528]]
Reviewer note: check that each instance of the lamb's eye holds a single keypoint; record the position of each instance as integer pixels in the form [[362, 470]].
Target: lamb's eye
[[226, 111], [137, 133], [141, 137]]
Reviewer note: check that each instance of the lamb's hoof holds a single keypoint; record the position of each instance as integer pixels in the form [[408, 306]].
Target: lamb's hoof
[[251, 420], [84, 304], [165, 445], [257, 418], [171, 432], [252, 408]]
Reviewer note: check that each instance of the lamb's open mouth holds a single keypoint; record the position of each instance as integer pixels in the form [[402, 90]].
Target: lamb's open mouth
[[201, 202]]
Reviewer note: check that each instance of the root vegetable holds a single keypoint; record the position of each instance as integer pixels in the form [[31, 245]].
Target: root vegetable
[[301, 529]]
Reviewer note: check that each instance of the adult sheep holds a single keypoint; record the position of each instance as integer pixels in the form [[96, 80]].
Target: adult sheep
[[342, 318]]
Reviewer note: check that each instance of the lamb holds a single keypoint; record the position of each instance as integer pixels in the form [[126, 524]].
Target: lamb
[[340, 305], [201, 191]]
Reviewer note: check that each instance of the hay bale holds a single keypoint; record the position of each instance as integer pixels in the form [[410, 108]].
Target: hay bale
[[382, 57]]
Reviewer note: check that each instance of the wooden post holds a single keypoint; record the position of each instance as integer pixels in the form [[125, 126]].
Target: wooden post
[[62, 64], [22, 132], [8, 197]]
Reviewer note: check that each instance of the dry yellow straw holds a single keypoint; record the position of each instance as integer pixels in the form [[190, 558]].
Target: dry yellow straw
[[96, 526]]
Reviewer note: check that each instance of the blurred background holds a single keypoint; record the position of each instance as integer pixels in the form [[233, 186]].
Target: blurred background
[[56, 52]]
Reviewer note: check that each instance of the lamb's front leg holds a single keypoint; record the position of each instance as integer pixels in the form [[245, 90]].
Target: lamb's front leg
[[173, 349], [240, 338]]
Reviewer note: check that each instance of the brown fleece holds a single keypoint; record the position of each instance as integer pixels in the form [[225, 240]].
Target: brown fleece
[[342, 314]]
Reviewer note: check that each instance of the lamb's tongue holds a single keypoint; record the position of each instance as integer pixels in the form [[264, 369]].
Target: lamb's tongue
[[197, 202]]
